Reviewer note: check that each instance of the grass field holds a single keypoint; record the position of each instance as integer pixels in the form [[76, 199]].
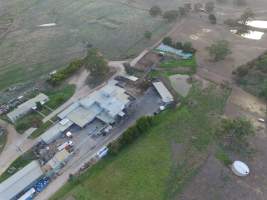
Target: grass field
[[116, 27], [160, 163], [3, 139], [179, 63]]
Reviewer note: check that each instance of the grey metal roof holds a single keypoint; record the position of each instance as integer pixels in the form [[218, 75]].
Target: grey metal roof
[[25, 107], [55, 131], [20, 180], [165, 94], [109, 100]]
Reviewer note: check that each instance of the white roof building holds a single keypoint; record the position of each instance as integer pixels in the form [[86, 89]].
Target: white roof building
[[164, 93], [104, 104], [20, 180], [26, 107]]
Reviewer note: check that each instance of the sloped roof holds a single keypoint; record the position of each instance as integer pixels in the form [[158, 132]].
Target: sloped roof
[[20, 180]]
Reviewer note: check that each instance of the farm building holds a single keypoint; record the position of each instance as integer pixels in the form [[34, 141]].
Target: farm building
[[21, 180], [55, 131], [105, 104], [164, 93], [26, 107]]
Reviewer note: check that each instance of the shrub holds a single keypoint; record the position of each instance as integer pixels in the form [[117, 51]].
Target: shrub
[[131, 134], [167, 41], [148, 35], [171, 15]]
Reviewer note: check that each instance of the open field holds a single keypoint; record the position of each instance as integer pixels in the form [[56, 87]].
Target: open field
[[159, 164], [116, 27]]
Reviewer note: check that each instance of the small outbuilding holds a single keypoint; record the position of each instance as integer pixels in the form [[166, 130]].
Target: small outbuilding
[[164, 93]]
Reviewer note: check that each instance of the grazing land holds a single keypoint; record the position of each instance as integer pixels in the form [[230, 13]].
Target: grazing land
[[160, 163], [28, 52]]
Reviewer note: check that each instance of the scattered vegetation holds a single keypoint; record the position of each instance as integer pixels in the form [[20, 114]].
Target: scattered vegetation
[[223, 157], [33, 119], [19, 163], [219, 50]]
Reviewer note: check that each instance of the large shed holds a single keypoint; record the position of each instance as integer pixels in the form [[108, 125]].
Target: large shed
[[15, 184], [26, 107]]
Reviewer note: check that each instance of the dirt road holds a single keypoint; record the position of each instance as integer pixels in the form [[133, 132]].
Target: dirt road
[[15, 146]]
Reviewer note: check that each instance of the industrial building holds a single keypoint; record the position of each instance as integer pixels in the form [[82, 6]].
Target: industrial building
[[26, 107], [105, 104], [164, 93], [20, 181], [102, 107]]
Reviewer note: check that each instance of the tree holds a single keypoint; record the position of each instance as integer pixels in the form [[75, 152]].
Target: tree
[[247, 14], [235, 131], [182, 11], [219, 50], [148, 35], [197, 7], [187, 7], [155, 11], [179, 45], [96, 64], [167, 41], [212, 19], [263, 92], [231, 22], [39, 106], [188, 47], [240, 2], [171, 15], [209, 6]]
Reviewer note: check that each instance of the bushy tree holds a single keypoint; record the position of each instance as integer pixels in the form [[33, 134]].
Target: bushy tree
[[187, 7], [187, 47], [212, 18], [155, 11], [171, 15], [235, 131], [247, 14], [167, 41], [96, 64], [219, 50], [182, 11], [148, 35]]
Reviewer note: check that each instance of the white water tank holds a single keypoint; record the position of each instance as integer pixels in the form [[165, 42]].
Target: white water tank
[[239, 168]]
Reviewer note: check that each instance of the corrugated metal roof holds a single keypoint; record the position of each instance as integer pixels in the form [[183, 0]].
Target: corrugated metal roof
[[25, 107], [20, 180], [109, 100], [54, 132], [166, 96]]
